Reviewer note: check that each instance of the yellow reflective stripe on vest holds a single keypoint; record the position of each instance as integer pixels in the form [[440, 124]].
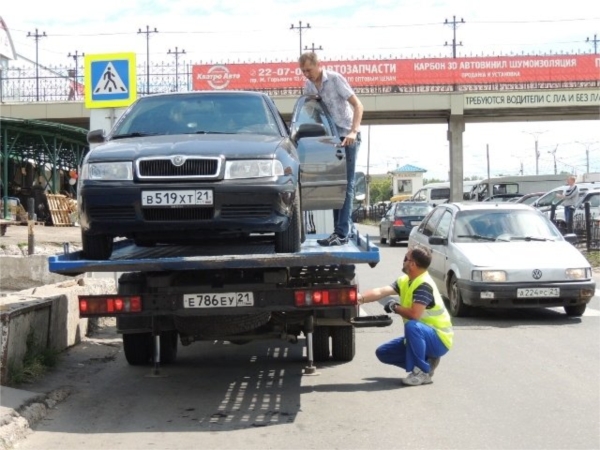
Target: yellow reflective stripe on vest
[[437, 316]]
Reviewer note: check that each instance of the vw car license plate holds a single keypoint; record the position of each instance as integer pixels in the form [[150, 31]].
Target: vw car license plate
[[190, 197], [538, 292], [220, 300]]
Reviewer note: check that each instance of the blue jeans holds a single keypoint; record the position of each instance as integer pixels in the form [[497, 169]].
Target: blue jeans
[[421, 341], [342, 222], [569, 210]]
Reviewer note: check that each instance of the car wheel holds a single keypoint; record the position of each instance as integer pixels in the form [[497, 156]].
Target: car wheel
[[96, 246], [456, 306], [382, 238], [575, 311], [391, 240], [289, 240]]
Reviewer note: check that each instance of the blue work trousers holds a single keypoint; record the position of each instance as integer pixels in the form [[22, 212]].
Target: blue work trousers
[[420, 342]]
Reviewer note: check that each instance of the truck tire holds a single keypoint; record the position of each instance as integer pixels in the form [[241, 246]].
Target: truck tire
[[289, 240], [321, 344], [344, 343], [138, 348], [97, 247], [214, 327]]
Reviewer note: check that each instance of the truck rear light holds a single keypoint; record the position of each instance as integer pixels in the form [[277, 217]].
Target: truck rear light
[[325, 297], [93, 305]]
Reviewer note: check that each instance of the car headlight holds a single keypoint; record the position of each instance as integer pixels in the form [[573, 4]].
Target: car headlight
[[578, 274], [490, 276], [108, 171], [253, 168]]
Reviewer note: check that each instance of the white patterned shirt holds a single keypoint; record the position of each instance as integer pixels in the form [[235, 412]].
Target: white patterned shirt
[[335, 92]]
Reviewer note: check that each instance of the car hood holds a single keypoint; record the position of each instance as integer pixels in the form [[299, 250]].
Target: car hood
[[229, 145], [523, 254]]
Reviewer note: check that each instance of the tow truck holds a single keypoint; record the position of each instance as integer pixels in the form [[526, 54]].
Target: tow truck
[[230, 292]]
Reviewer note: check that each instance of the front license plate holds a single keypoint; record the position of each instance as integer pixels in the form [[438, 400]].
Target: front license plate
[[220, 300], [538, 292], [189, 197]]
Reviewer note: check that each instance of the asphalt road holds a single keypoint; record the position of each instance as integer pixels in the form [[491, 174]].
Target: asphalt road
[[514, 380]]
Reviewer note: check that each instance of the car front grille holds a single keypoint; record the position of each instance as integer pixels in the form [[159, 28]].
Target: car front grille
[[160, 168], [177, 214], [112, 213], [245, 211]]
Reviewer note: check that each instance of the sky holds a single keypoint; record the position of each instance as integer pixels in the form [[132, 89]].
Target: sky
[[221, 31]]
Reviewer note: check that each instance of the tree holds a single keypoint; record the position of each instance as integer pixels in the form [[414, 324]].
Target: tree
[[380, 190]]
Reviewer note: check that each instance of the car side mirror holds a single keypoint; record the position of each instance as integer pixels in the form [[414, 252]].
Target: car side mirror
[[310, 130], [571, 238], [436, 240], [96, 137]]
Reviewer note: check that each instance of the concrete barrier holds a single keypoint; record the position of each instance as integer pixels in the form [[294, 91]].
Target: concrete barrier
[[46, 315], [23, 272]]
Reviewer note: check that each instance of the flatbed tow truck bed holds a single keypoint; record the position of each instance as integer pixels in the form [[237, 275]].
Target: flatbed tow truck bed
[[231, 291], [254, 253]]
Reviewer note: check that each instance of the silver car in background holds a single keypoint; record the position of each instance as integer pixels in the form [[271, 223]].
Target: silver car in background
[[502, 255]]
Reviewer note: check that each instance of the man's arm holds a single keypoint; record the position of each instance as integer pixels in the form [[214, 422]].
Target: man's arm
[[357, 115], [373, 295]]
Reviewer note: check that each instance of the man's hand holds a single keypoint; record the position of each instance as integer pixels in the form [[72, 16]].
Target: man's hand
[[390, 306]]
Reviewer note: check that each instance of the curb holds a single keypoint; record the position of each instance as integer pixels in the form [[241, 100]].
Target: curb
[[17, 424]]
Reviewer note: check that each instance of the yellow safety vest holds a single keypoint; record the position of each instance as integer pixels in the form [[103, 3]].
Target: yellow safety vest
[[436, 317]]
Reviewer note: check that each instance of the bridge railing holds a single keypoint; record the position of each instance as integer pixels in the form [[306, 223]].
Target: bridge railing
[[65, 83]]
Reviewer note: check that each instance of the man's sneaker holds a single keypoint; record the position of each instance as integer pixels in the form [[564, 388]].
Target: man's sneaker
[[433, 363], [332, 240], [417, 377]]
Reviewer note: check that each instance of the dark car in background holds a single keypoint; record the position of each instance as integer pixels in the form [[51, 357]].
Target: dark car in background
[[199, 166], [528, 199], [400, 219]]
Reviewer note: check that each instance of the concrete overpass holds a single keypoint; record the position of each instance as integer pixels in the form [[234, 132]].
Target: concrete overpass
[[454, 108]]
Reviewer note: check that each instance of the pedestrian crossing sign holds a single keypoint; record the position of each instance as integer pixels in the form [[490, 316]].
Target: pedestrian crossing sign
[[110, 80]]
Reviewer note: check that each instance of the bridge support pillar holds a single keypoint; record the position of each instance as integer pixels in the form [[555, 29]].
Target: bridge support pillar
[[456, 128]]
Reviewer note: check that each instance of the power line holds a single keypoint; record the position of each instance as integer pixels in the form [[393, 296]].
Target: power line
[[454, 24], [147, 33], [595, 42], [312, 48], [37, 36], [177, 52], [300, 28]]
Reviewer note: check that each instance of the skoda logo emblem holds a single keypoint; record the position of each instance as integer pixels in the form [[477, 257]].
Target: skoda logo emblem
[[537, 274], [177, 160]]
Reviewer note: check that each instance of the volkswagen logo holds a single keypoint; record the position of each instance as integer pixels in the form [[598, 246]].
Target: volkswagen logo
[[177, 160], [537, 274]]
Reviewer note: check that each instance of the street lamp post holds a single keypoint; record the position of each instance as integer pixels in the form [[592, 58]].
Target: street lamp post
[[37, 36], [147, 33], [176, 53]]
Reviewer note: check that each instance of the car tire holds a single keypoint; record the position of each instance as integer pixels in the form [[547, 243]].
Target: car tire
[[382, 238], [343, 342], [289, 240], [391, 240], [575, 310], [96, 246], [456, 306]]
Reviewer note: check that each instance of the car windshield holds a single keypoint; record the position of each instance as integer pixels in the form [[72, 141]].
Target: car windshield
[[413, 210], [502, 226], [207, 113]]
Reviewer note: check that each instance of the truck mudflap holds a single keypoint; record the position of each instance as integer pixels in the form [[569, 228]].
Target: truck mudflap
[[382, 320], [253, 252]]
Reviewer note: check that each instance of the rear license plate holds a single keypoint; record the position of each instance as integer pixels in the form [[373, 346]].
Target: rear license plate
[[538, 292], [414, 223], [189, 197], [220, 300]]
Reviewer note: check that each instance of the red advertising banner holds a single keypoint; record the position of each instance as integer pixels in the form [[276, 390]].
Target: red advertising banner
[[405, 72]]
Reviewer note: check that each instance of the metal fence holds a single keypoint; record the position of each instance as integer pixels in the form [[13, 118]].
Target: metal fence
[[64, 83], [586, 227]]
